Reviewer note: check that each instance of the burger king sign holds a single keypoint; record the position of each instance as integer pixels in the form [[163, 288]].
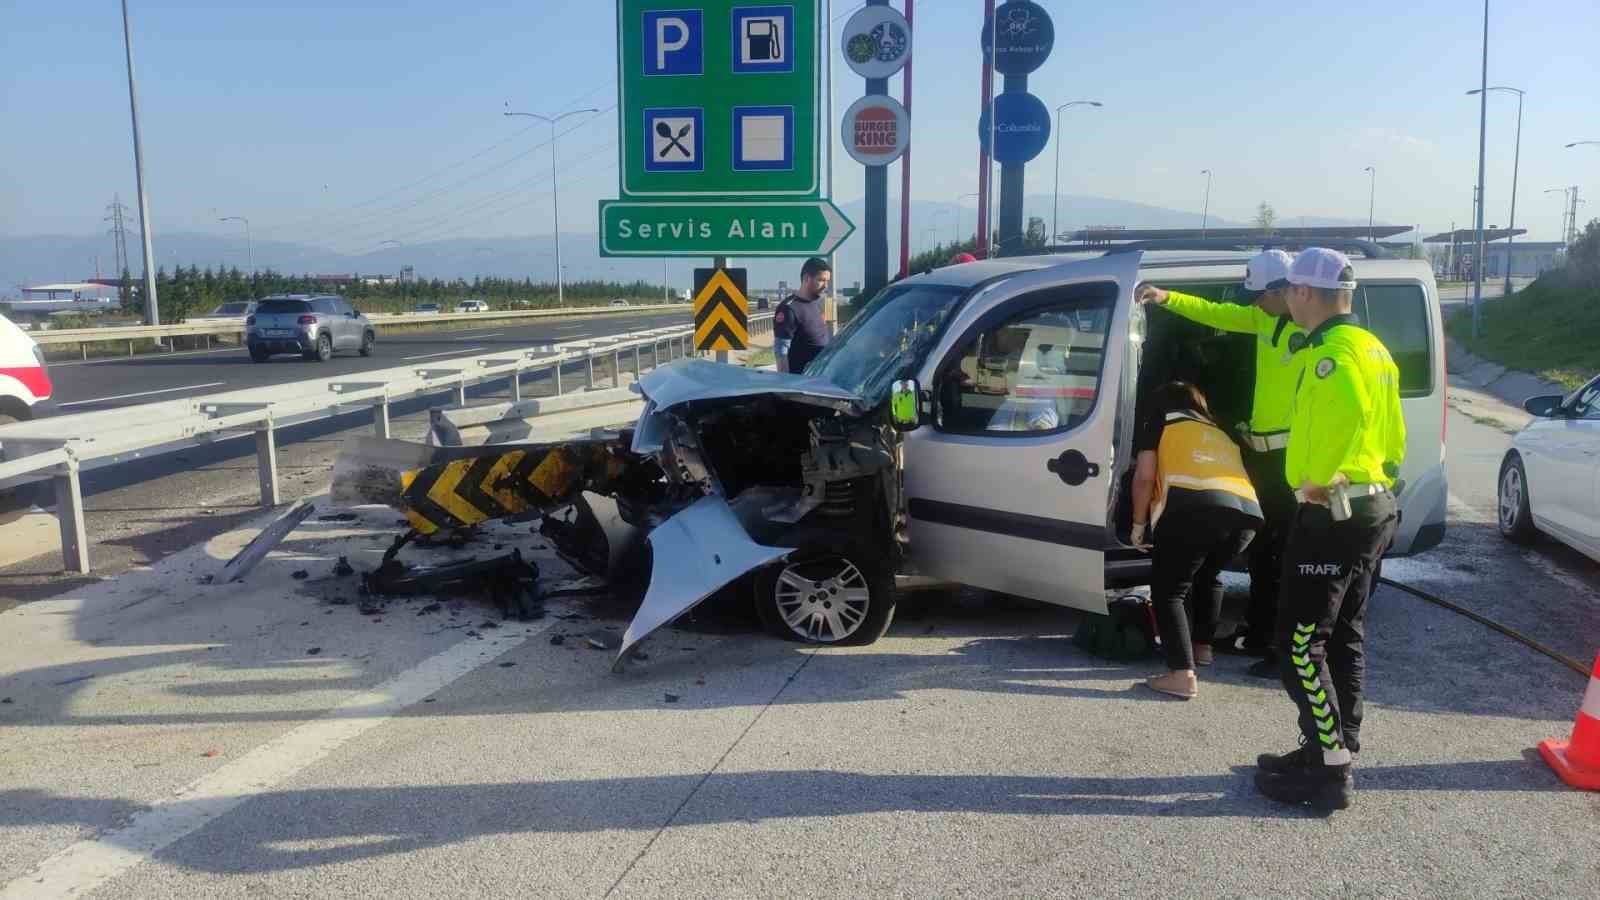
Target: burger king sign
[[876, 130]]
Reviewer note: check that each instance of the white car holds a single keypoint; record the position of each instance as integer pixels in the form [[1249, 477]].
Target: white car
[[24, 379], [472, 306], [619, 303], [1550, 478]]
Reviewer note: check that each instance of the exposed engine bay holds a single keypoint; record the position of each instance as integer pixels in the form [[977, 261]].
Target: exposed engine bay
[[723, 466]]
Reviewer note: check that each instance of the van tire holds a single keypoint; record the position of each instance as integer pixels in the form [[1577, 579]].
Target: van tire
[[367, 340], [841, 570], [1515, 511]]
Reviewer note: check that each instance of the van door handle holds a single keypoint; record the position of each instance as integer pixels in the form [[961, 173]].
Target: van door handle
[[1073, 467]]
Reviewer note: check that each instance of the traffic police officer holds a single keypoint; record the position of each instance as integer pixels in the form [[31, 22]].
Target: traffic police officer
[[1347, 438], [1265, 439]]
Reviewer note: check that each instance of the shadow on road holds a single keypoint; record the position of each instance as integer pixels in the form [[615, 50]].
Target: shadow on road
[[270, 832]]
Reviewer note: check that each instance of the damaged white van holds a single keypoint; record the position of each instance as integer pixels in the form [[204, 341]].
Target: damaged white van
[[972, 425]]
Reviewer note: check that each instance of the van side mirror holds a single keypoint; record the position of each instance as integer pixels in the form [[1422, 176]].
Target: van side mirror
[[905, 404], [1544, 407]]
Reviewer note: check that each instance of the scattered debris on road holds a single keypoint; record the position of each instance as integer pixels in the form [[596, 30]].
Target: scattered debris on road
[[73, 680], [343, 568], [670, 697], [510, 582], [262, 544], [313, 651], [338, 517], [300, 574]]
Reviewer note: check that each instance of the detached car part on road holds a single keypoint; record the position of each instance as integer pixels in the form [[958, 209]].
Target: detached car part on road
[[973, 426]]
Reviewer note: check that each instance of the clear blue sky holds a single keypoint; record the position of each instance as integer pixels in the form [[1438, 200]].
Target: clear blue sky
[[347, 122]]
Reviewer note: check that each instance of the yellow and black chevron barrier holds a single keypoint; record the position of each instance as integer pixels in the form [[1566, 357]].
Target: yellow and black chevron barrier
[[466, 492]]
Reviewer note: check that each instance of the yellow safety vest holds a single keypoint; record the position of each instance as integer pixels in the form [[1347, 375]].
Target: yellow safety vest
[[1347, 416], [1197, 465]]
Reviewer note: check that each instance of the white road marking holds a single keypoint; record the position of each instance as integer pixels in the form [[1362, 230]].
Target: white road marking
[[473, 337], [137, 359], [191, 387], [86, 865], [462, 352]]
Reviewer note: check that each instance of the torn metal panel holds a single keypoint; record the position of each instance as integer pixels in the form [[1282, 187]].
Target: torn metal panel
[[697, 379], [262, 544], [696, 552]]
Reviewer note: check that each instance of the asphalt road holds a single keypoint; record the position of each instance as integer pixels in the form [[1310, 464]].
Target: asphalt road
[[106, 384], [266, 740]]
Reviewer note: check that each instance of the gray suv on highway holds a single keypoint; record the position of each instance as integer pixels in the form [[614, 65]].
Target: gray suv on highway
[[313, 326]]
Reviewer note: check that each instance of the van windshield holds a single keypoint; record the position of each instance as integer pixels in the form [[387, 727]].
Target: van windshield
[[895, 332], [278, 307]]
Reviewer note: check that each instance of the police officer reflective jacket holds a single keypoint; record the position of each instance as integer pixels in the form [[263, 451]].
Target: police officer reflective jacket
[[1347, 416], [1278, 363]]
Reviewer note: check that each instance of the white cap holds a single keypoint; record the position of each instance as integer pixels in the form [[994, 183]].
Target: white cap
[[1267, 270], [1320, 267]]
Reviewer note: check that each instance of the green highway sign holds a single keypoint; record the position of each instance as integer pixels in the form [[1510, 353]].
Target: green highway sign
[[718, 99], [726, 228]]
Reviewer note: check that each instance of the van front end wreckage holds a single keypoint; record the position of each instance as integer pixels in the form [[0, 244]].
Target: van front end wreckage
[[726, 471]]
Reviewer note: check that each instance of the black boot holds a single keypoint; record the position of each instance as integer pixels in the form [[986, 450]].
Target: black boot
[[1324, 788], [1299, 757]]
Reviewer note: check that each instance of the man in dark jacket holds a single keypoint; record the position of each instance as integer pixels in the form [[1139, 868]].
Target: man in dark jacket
[[799, 332]]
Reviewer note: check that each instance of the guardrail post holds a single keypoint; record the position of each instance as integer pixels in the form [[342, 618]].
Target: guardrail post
[[267, 461], [638, 364], [461, 391], [616, 368], [555, 372], [588, 359], [516, 385], [380, 417], [69, 512]]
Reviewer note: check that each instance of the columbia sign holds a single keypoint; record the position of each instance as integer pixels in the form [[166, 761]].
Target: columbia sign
[[876, 130]]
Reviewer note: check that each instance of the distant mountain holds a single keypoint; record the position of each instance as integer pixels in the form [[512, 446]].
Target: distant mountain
[[42, 259]]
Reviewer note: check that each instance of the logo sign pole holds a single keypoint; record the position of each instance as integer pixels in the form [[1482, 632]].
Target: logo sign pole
[[721, 311], [878, 26], [1017, 39]]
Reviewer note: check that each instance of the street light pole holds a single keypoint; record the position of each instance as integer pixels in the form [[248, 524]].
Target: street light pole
[[1055, 202], [973, 196], [1372, 196], [555, 190], [249, 247], [152, 310], [1205, 212], [1483, 126], [1516, 166]]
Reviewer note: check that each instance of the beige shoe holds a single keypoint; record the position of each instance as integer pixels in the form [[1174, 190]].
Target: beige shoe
[[1203, 655], [1180, 683]]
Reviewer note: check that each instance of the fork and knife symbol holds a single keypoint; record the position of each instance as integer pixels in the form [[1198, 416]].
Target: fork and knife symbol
[[674, 141]]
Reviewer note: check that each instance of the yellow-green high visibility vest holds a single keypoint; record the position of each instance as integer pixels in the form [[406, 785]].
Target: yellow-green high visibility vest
[[1347, 414]]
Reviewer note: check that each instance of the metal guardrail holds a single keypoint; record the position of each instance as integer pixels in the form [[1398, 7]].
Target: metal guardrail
[[235, 326], [62, 447]]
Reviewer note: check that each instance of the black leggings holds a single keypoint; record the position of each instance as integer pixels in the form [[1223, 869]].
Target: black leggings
[[1190, 549]]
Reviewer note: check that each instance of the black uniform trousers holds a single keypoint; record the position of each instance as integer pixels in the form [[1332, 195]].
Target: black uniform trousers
[[1266, 552], [1190, 548], [1328, 573]]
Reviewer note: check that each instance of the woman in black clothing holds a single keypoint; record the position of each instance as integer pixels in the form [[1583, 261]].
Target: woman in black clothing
[[1191, 494]]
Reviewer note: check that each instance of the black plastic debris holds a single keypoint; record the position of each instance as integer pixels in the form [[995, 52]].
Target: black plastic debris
[[510, 582], [557, 640], [507, 665], [74, 680], [430, 608], [670, 697], [313, 651], [299, 574], [343, 568], [338, 517]]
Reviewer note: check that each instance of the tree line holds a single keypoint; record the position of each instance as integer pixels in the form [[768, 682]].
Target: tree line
[[191, 291]]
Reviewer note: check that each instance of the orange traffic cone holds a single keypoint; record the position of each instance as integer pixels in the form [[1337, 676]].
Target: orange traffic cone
[[1578, 761]]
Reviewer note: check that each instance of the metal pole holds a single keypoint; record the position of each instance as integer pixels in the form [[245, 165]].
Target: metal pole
[[555, 214], [1483, 125], [986, 151], [1372, 195], [905, 165], [152, 310], [1205, 211], [827, 64], [1516, 165], [1055, 192]]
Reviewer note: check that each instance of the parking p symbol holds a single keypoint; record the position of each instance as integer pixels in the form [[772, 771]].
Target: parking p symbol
[[673, 42]]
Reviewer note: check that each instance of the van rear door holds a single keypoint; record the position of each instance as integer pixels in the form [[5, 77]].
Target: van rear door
[[1007, 484]]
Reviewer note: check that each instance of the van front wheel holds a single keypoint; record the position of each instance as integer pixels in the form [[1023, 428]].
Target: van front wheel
[[829, 591]]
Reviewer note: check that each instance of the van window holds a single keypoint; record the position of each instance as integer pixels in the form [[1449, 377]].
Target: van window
[[1038, 372], [328, 307], [1398, 315]]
